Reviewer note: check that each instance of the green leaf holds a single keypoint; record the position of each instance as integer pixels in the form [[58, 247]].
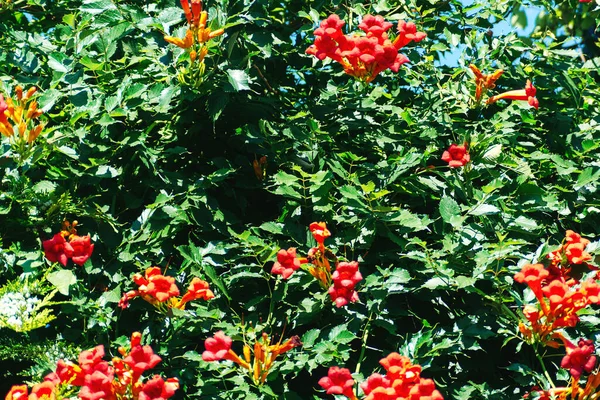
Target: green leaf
[[484, 209], [587, 177], [449, 208], [62, 280], [106, 171], [44, 187], [49, 98], [59, 62], [309, 338], [238, 79], [341, 334]]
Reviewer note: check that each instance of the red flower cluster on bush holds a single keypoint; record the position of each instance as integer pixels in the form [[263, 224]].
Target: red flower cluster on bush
[[78, 248], [456, 156], [571, 252], [364, 56], [559, 301], [161, 291], [560, 297], [219, 348], [99, 379], [338, 381], [345, 277], [579, 358], [286, 263], [401, 381], [340, 284]]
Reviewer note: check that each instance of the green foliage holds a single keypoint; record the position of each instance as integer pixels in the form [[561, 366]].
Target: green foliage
[[160, 172]]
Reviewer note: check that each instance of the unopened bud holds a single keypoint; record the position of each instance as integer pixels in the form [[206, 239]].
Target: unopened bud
[[18, 114], [203, 53], [22, 128], [34, 133], [136, 339], [196, 12], [203, 18], [19, 92], [216, 33], [30, 92], [247, 353], [31, 110]]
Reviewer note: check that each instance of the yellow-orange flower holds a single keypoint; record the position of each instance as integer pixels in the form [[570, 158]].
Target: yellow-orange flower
[[17, 117], [484, 82], [197, 33]]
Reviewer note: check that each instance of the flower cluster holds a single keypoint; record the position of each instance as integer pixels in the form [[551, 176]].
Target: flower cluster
[[580, 358], [345, 277], [99, 379], [341, 284], [456, 156], [364, 56], [560, 296], [484, 82], [258, 359], [569, 253], [18, 119], [402, 381], [196, 37], [77, 248], [162, 292]]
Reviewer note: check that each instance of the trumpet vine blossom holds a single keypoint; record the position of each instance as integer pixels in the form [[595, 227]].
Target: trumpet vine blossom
[[119, 379], [162, 292], [340, 282], [527, 94], [258, 359], [364, 56], [401, 381]]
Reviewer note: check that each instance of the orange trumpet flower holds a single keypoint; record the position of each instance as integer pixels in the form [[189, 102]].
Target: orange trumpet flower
[[527, 94]]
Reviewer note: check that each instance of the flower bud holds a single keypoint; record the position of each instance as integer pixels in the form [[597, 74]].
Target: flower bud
[[30, 92]]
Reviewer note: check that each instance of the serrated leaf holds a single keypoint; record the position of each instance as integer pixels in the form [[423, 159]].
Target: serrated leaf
[[106, 171], [484, 209], [341, 334], [309, 338], [449, 208], [586, 177], [44, 187]]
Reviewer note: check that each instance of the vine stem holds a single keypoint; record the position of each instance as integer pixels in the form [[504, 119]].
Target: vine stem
[[541, 360], [363, 347]]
